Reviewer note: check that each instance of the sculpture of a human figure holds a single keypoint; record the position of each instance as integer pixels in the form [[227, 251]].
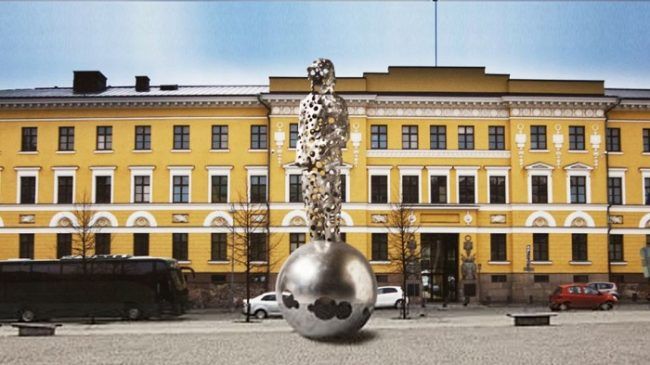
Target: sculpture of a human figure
[[323, 131]]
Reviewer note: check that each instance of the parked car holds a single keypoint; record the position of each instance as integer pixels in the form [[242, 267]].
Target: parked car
[[263, 305], [389, 296], [605, 287], [580, 296]]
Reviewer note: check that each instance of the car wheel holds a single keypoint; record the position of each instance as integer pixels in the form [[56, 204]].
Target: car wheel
[[563, 307], [260, 314], [27, 315], [399, 303], [606, 306], [132, 312]]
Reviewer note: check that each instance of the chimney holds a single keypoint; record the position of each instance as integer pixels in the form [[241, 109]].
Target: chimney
[[141, 83], [88, 82]]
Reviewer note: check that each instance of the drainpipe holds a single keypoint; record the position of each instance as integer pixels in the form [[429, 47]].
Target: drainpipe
[[268, 187], [609, 204]]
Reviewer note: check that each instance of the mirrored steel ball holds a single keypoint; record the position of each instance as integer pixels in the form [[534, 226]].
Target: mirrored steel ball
[[326, 289]]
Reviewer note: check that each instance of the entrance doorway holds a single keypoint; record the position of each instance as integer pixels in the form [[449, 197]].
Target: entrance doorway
[[439, 266]]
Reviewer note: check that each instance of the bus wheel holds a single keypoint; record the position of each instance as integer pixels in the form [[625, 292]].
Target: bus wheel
[[132, 312], [27, 315]]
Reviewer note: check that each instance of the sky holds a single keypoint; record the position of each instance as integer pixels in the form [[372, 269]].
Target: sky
[[229, 42]]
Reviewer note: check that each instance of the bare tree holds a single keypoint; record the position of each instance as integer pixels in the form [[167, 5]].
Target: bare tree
[[251, 246], [402, 247], [84, 239]]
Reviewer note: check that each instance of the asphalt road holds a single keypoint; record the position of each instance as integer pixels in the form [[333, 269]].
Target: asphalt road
[[468, 336]]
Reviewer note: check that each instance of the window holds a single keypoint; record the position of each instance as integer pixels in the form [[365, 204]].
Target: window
[[538, 137], [103, 189], [219, 247], [578, 189], [579, 247], [539, 189], [258, 137], [581, 279], [438, 137], [296, 240], [258, 188], [439, 189], [344, 237], [378, 137], [540, 246], [541, 278], [26, 246], [179, 246], [616, 248], [379, 247], [64, 189], [181, 137], [219, 188], [646, 140], [410, 189], [28, 190], [142, 189], [142, 137], [499, 278], [498, 247], [465, 137], [258, 247], [102, 243], [381, 278], [613, 139], [410, 137], [647, 240], [219, 137], [104, 138], [615, 190], [576, 138], [466, 194], [497, 189], [181, 189], [218, 279], [29, 140], [295, 188], [293, 135], [344, 195], [66, 138], [647, 190], [141, 244], [497, 138], [379, 189], [63, 245]]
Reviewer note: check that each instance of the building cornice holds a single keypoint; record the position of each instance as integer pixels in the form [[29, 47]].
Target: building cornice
[[131, 102]]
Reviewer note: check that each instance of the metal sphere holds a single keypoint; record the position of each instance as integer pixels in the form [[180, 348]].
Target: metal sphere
[[327, 289]]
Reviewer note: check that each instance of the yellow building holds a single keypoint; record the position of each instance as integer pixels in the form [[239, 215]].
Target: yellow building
[[544, 181]]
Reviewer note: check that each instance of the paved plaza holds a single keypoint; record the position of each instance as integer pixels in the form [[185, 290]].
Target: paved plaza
[[457, 335]]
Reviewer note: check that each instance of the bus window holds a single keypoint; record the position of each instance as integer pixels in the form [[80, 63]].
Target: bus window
[[138, 268], [103, 268], [71, 268]]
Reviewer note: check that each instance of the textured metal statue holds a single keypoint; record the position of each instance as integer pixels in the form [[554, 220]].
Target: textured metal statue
[[327, 286]]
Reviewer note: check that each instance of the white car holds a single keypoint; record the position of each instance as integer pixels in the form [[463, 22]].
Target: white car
[[389, 296], [263, 305], [605, 287]]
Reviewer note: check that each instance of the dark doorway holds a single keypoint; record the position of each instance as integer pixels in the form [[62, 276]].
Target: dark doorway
[[439, 266]]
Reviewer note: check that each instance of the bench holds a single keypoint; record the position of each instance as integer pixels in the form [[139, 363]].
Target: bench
[[36, 329], [532, 319]]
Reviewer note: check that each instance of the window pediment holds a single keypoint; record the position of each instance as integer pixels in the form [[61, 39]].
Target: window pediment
[[578, 166], [539, 166]]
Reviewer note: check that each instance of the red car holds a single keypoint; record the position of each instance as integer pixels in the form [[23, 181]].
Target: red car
[[580, 296]]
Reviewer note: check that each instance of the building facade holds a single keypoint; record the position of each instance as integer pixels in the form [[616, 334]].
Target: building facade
[[516, 185]]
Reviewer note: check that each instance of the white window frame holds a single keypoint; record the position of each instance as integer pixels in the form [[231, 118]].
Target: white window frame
[[103, 171], [645, 173], [218, 171], [498, 171], [466, 171], [379, 171], [344, 169], [410, 171], [26, 172], [586, 172], [256, 171], [288, 171], [141, 171], [180, 171], [64, 171], [620, 172], [438, 171], [543, 170]]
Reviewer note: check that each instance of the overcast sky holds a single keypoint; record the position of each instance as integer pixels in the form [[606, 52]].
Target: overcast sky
[[222, 42]]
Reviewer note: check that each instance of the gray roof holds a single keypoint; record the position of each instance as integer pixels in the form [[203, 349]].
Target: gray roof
[[129, 91], [629, 93]]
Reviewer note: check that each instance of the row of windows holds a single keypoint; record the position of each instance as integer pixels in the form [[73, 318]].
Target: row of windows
[[181, 141]]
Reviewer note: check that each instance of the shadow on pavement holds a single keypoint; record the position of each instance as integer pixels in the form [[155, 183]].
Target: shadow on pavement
[[356, 339]]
